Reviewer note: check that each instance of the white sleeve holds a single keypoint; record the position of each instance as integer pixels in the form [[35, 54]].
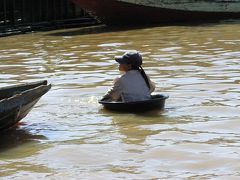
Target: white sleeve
[[114, 94]]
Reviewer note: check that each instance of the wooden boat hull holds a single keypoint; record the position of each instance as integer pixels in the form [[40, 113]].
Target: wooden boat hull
[[156, 11], [157, 102], [19, 101]]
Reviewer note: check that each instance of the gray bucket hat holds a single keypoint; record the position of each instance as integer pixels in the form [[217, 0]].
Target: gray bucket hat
[[131, 57]]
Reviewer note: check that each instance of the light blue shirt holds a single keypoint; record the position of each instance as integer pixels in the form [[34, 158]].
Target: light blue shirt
[[130, 87]]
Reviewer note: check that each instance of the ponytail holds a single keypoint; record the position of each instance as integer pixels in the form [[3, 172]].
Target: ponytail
[[144, 76], [140, 69]]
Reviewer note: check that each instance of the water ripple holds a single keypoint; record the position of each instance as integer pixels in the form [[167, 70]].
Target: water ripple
[[195, 137]]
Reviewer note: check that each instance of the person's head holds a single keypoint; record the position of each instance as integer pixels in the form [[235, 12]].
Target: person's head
[[132, 60], [129, 60]]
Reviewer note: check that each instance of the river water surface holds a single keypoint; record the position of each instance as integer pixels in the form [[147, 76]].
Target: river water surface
[[69, 136]]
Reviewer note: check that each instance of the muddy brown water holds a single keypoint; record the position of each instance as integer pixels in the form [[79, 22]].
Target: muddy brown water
[[69, 136]]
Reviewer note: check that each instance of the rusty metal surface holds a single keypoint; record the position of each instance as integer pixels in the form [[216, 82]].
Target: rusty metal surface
[[153, 11]]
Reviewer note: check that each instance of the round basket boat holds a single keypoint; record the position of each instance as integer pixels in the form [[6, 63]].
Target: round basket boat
[[156, 102]]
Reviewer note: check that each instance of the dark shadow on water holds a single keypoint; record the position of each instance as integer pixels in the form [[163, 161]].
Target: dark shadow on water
[[95, 30], [106, 28], [151, 113], [17, 136], [80, 31]]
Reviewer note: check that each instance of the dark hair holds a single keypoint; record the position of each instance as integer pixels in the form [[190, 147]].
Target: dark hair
[[140, 69]]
